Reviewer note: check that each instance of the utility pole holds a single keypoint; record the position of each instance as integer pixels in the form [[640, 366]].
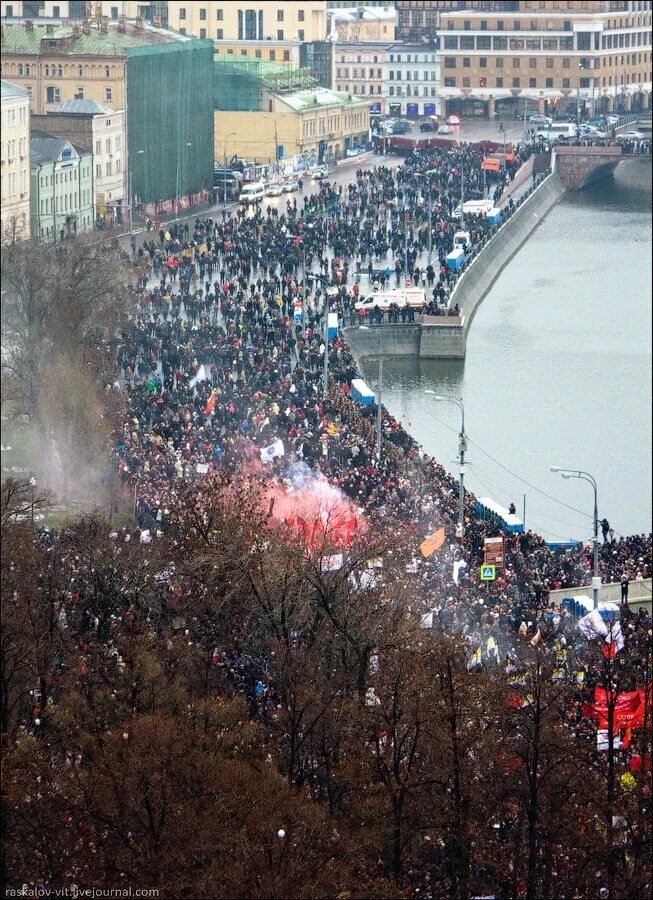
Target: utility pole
[[585, 476], [378, 413], [326, 344], [462, 198]]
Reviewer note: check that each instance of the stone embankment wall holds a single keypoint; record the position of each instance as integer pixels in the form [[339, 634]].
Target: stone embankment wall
[[447, 341]]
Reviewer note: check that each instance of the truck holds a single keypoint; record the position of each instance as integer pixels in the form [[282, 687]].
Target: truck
[[456, 259], [474, 208], [462, 239], [414, 298]]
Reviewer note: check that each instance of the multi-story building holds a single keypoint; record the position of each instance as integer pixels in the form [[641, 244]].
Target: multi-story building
[[287, 52], [411, 80], [358, 69], [549, 57], [76, 9], [364, 24], [14, 159], [300, 20], [163, 80], [62, 191], [418, 20], [318, 57], [87, 124], [318, 123]]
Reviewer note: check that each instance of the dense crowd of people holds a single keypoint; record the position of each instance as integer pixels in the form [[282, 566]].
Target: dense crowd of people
[[224, 358]]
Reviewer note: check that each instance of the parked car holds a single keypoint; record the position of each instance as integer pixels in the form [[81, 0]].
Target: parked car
[[273, 190], [401, 127], [427, 126], [292, 184], [318, 172], [453, 120], [540, 120], [445, 129], [355, 151], [630, 136], [612, 120]]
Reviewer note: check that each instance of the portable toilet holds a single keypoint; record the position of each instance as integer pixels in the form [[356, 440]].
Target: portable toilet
[[456, 259], [494, 216], [332, 326], [361, 392]]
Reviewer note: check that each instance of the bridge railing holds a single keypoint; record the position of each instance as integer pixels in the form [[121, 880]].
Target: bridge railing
[[383, 319]]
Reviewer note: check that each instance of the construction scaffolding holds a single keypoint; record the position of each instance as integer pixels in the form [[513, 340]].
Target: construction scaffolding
[[241, 84]]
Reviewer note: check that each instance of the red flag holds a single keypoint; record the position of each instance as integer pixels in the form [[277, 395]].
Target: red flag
[[625, 740], [208, 409]]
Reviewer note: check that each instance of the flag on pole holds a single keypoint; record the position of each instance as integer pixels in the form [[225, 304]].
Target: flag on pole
[[275, 449], [208, 409], [477, 658], [432, 543], [592, 625]]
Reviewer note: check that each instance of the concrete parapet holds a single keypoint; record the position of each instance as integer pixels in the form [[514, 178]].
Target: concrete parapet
[[639, 593]]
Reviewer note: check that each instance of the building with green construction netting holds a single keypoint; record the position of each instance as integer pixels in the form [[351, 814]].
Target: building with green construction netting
[[244, 85], [170, 123]]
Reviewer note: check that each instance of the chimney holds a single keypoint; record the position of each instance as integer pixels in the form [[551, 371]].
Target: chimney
[[29, 25], [156, 21], [122, 24], [86, 27], [104, 24], [76, 29], [49, 28], [139, 22]]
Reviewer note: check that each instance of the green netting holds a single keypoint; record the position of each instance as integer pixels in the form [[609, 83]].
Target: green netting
[[239, 84], [170, 105]]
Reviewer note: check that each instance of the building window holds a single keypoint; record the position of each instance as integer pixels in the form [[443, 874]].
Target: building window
[[108, 94], [467, 63], [565, 82], [498, 62], [515, 62], [114, 13], [450, 62], [273, 55], [532, 82], [532, 63], [450, 43], [219, 34], [500, 43], [279, 34], [467, 25], [300, 15], [107, 72], [467, 43], [483, 43], [203, 34], [482, 62], [499, 81], [52, 95], [300, 34], [286, 55], [566, 62], [465, 82], [549, 82], [515, 82], [79, 93], [219, 15], [182, 14], [202, 15], [279, 15], [449, 82]]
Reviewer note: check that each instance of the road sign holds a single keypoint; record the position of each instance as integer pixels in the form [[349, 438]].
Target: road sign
[[488, 573], [494, 551]]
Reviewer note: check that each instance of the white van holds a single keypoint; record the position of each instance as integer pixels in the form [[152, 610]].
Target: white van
[[557, 130], [402, 297], [252, 193]]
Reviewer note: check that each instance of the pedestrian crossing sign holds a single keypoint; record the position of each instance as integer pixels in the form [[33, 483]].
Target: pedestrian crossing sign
[[488, 573]]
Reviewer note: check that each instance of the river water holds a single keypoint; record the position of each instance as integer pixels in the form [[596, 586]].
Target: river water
[[558, 369]]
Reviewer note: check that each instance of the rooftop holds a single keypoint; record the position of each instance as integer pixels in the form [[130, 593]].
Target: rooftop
[[112, 42], [315, 97], [364, 14], [80, 108], [11, 91]]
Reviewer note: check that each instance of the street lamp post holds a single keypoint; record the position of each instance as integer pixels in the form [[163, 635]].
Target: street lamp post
[[187, 144], [585, 476], [462, 446], [130, 180], [224, 171], [32, 484], [276, 140], [428, 200], [378, 398]]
